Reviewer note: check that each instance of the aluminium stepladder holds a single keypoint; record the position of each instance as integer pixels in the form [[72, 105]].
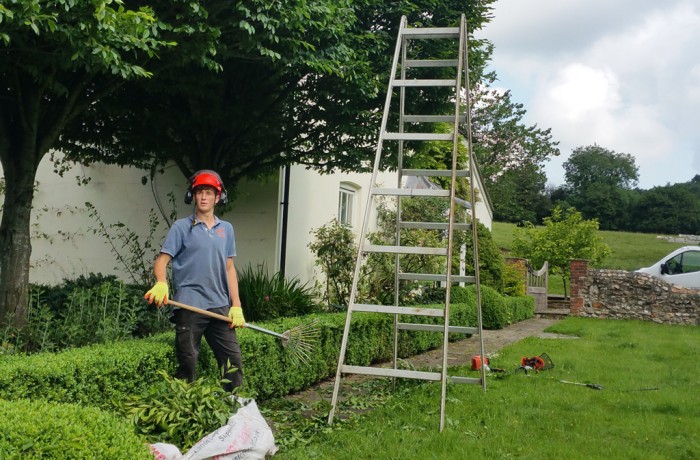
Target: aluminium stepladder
[[412, 71]]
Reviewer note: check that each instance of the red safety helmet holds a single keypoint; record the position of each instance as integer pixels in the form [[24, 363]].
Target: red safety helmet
[[206, 177]]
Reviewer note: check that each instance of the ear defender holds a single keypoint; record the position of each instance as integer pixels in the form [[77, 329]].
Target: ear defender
[[206, 177]]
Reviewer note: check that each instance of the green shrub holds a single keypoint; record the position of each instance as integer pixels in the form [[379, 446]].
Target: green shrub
[[513, 281], [100, 374], [93, 375], [491, 261], [335, 252], [267, 297], [48, 430], [81, 312], [177, 412]]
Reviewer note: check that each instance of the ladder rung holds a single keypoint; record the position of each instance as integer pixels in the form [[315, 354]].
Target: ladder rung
[[421, 83], [433, 118], [411, 192], [436, 328], [394, 310], [430, 63], [389, 372], [405, 250], [418, 136], [434, 172], [431, 32], [434, 225], [469, 380], [436, 277]]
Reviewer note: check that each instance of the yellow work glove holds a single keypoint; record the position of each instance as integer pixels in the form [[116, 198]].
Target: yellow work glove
[[158, 294], [236, 315]]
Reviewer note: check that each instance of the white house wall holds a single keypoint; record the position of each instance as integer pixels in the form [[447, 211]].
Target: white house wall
[[64, 245], [313, 202], [254, 215]]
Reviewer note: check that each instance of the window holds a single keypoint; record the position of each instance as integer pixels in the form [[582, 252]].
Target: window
[[686, 262], [346, 207]]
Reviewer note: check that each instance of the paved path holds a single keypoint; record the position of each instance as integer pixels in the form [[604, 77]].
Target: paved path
[[459, 353]]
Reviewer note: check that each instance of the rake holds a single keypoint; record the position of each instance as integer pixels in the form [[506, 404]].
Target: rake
[[298, 341]]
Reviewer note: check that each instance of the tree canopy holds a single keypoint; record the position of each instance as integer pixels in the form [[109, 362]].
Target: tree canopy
[[241, 87], [511, 155], [565, 236], [501, 141], [598, 183], [593, 165], [58, 59], [313, 97]]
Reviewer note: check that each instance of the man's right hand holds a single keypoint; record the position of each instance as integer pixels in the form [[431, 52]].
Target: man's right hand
[[158, 294]]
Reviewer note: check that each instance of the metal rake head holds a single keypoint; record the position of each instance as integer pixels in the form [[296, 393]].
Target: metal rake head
[[300, 341]]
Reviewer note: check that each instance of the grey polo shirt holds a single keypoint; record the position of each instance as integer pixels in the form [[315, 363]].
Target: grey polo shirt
[[198, 263]]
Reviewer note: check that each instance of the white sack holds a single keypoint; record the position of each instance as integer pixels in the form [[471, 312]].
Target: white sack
[[246, 436]]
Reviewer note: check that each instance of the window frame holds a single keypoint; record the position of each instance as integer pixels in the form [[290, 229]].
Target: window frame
[[346, 205]]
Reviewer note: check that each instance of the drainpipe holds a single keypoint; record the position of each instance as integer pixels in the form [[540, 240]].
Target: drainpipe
[[285, 219]]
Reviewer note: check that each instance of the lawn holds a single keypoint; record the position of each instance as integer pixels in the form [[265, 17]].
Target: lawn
[[646, 408], [630, 251]]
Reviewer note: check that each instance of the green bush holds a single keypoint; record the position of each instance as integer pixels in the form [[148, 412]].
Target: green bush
[[513, 281], [335, 252], [48, 430], [100, 374], [266, 297], [491, 261], [93, 375], [177, 412], [97, 309]]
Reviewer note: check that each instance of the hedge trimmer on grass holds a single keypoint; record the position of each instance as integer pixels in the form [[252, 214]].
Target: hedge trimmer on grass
[[595, 386], [535, 363], [298, 341]]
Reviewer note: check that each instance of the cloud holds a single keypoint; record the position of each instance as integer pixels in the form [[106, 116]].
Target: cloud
[[583, 105], [579, 92], [628, 79]]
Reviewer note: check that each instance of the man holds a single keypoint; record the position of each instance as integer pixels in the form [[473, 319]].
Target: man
[[201, 248]]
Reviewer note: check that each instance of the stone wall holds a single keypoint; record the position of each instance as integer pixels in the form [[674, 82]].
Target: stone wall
[[619, 294]]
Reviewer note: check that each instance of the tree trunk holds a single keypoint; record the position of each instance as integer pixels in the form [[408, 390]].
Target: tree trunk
[[15, 239]]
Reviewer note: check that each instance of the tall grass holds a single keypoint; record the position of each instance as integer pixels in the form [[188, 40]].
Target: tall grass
[[646, 409]]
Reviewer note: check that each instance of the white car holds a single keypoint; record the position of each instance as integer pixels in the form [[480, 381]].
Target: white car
[[681, 267]]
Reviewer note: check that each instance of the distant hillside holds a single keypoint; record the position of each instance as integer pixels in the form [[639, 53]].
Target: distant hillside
[[630, 251]]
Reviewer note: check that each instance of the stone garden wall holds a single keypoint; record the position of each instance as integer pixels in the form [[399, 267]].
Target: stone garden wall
[[619, 294]]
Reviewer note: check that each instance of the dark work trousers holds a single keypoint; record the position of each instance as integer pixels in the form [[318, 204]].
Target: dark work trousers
[[189, 329]]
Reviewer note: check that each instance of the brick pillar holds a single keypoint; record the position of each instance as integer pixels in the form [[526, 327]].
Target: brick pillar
[[579, 273]]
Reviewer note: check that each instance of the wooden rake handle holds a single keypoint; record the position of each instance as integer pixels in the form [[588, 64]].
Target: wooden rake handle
[[226, 318], [199, 310]]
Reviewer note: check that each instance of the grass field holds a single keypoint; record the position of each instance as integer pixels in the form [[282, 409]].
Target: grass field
[[630, 251], [646, 408]]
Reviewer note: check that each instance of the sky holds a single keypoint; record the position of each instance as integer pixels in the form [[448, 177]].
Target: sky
[[622, 74]]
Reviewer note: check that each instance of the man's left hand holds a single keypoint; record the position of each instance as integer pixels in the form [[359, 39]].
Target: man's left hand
[[236, 315]]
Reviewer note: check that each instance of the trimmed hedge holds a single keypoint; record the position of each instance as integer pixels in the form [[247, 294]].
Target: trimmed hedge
[[92, 375], [99, 374], [47, 430]]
